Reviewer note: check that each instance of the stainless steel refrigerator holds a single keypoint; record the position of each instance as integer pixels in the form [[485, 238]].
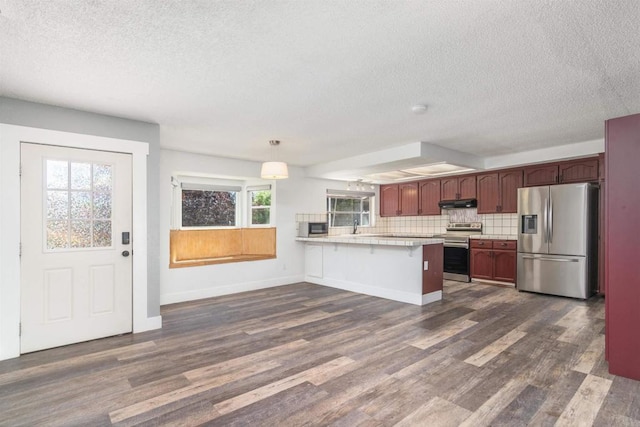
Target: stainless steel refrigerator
[[557, 239]]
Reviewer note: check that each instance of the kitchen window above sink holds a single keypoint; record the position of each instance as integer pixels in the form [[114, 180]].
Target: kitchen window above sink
[[346, 208]]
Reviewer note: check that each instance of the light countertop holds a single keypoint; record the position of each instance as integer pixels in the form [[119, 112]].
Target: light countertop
[[495, 236], [374, 239]]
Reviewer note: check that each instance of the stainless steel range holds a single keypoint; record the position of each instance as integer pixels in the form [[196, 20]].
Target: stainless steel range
[[456, 249]]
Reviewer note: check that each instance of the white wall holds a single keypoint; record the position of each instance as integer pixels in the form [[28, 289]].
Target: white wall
[[296, 194]]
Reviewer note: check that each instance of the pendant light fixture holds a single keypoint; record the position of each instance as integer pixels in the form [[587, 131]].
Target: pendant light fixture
[[274, 170]]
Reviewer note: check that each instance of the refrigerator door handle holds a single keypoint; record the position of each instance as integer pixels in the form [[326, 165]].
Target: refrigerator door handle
[[550, 223], [545, 218], [552, 259]]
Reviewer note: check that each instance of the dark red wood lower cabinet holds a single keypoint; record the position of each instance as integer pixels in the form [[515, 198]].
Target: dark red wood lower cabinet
[[504, 266], [493, 260], [482, 263]]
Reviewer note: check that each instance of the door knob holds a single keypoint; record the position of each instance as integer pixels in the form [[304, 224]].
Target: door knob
[[125, 253]]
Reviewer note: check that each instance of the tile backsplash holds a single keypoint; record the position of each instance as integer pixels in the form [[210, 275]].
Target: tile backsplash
[[311, 217], [493, 224]]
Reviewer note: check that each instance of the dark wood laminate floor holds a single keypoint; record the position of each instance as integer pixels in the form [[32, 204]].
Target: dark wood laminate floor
[[310, 355]]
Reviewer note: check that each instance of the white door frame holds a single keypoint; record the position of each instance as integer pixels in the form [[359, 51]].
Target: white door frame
[[10, 138]]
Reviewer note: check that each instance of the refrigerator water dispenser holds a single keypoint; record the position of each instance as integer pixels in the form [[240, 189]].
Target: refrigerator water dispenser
[[529, 224]]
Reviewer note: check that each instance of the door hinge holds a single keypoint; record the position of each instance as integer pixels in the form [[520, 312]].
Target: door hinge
[[20, 249], [20, 170], [20, 329]]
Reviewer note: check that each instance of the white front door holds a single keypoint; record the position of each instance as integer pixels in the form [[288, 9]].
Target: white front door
[[76, 263]]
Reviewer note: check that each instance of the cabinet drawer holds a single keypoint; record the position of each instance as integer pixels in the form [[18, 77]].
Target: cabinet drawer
[[504, 244], [483, 244]]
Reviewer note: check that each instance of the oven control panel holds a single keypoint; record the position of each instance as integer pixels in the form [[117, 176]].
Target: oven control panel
[[464, 226]]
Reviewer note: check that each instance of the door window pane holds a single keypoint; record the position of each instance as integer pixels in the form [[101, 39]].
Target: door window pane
[[57, 234], [102, 205], [57, 204], [102, 177], [81, 234], [101, 234], [57, 174], [80, 176], [80, 204]]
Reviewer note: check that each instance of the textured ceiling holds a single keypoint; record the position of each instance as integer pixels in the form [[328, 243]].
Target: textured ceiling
[[330, 78]]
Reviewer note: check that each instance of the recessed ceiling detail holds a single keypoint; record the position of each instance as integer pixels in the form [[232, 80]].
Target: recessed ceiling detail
[[426, 171]]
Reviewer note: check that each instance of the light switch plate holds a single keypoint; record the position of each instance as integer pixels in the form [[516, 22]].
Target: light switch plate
[[426, 265]]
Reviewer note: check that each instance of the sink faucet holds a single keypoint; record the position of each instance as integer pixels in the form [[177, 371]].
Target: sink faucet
[[355, 225]]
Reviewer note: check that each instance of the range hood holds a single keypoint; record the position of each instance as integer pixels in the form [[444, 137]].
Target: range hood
[[458, 204]]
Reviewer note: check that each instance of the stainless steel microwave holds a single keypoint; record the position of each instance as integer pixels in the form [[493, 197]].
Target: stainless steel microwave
[[313, 229]]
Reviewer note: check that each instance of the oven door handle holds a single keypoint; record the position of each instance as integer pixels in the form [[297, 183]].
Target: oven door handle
[[456, 245]]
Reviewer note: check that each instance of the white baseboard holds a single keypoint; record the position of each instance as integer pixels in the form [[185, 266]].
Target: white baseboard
[[374, 291], [431, 297], [233, 288]]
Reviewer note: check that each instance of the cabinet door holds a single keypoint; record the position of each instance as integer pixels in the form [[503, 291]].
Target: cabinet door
[[579, 171], [408, 198], [313, 260], [389, 200], [482, 263], [504, 266], [509, 184], [429, 196], [488, 193], [449, 188], [467, 187], [540, 175]]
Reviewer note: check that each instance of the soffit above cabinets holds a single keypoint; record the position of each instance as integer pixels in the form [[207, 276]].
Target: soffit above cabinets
[[422, 160]]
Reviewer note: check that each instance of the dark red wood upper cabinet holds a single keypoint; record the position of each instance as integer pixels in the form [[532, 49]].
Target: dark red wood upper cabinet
[[389, 199], [455, 188], [488, 193], [622, 269], [541, 175], [467, 187], [408, 198], [498, 191], [585, 170], [449, 188], [429, 197], [509, 183]]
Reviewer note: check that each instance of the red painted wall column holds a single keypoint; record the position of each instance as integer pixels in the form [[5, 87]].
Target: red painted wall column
[[622, 239]]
